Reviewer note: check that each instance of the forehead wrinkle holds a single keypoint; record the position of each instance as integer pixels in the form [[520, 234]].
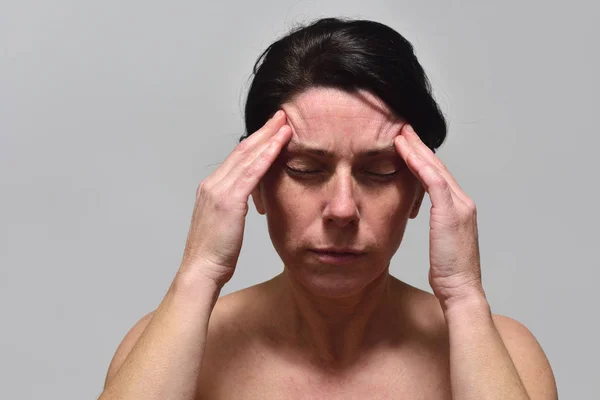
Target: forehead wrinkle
[[376, 151], [340, 116], [365, 99], [331, 98], [377, 125]]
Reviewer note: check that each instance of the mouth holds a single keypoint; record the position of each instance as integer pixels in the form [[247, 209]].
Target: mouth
[[337, 256]]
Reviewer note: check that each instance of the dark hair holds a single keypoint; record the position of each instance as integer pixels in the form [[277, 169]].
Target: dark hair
[[349, 55]]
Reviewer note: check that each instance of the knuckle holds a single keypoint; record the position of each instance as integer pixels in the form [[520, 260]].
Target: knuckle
[[271, 148], [243, 146], [471, 208], [257, 164], [202, 189], [439, 180], [250, 170], [440, 164], [211, 196], [269, 155], [413, 156]]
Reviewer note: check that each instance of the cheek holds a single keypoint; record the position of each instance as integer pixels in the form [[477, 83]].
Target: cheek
[[388, 212], [287, 207]]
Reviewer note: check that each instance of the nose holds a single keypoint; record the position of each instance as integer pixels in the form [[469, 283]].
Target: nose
[[341, 207]]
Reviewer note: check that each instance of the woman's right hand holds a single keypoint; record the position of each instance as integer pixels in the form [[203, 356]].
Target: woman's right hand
[[215, 236]]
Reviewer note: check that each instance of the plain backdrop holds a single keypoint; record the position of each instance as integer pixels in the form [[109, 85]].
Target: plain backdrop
[[112, 112]]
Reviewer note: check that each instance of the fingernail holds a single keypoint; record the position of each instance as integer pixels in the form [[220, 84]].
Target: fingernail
[[278, 114]]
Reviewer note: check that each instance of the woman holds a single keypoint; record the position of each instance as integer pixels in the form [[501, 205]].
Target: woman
[[337, 171]]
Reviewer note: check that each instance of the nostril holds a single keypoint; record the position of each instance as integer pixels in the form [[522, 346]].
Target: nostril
[[341, 214]]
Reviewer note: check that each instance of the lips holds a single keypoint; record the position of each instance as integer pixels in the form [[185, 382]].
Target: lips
[[337, 256], [339, 251]]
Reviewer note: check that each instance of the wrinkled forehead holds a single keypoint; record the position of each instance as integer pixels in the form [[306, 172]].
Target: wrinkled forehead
[[341, 121]]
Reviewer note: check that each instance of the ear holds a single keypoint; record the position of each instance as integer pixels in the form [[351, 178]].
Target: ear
[[257, 199], [420, 194]]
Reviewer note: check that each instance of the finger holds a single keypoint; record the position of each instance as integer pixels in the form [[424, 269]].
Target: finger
[[244, 178], [266, 131], [440, 192], [243, 163], [427, 154], [247, 148]]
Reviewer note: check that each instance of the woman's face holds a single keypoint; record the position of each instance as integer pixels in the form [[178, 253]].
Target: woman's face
[[339, 183]]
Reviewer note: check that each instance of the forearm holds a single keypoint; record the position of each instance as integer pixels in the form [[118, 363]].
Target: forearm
[[165, 362], [480, 365]]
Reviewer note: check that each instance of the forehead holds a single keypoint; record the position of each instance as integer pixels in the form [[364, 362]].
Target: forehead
[[340, 121]]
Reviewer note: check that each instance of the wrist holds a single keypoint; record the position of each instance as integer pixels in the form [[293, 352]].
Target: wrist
[[470, 302], [191, 282]]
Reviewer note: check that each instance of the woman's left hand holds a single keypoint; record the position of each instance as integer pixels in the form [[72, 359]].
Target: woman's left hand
[[455, 273]]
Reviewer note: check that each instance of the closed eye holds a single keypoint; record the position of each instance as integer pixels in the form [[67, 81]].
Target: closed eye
[[316, 171], [302, 171], [382, 175]]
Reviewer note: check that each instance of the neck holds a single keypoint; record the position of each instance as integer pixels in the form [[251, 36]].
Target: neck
[[337, 331]]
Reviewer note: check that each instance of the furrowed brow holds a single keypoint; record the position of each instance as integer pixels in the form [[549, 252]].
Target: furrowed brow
[[297, 147]]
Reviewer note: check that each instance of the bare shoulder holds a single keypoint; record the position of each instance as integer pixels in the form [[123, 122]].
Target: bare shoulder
[[126, 345], [421, 306], [229, 317], [235, 342], [240, 315], [240, 308], [525, 351], [528, 356]]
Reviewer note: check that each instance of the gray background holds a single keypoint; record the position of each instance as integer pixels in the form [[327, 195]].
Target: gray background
[[112, 113]]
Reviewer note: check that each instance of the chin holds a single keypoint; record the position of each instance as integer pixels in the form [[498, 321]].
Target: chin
[[333, 282]]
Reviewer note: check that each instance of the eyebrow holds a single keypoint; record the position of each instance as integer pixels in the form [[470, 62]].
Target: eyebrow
[[297, 147]]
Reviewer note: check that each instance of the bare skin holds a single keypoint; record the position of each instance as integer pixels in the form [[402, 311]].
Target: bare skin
[[339, 177], [256, 351], [260, 347]]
